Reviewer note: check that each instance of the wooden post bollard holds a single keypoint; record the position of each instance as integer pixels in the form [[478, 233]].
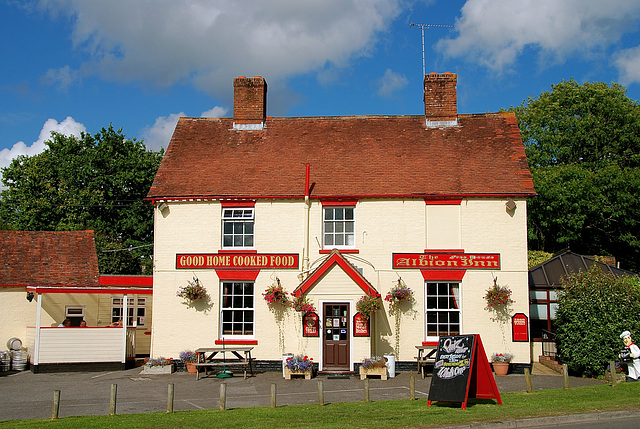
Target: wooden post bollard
[[223, 396], [273, 395], [170, 398], [412, 387], [112, 402], [527, 377], [565, 375], [56, 405], [612, 371], [320, 393], [366, 390]]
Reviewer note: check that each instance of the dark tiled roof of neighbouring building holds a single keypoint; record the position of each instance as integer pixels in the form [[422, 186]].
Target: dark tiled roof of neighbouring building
[[44, 258]]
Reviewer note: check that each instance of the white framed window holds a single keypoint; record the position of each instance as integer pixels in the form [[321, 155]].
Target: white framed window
[[339, 224], [75, 313], [442, 309], [237, 227], [136, 309], [237, 309]]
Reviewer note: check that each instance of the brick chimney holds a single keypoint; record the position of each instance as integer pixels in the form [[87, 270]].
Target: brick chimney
[[249, 102], [440, 100]]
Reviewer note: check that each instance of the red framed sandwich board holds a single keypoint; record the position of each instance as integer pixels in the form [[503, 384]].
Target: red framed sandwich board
[[462, 371]]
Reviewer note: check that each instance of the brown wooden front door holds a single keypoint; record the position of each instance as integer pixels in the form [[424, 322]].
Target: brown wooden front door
[[336, 337]]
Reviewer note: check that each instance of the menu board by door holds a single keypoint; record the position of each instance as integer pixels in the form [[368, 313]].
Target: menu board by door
[[462, 371]]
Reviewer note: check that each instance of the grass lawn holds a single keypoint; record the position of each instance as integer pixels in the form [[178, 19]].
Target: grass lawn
[[380, 414]]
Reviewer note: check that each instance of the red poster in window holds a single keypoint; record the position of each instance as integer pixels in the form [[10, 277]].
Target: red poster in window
[[310, 325], [520, 327], [360, 325]]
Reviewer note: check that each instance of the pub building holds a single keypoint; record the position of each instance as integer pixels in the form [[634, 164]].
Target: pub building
[[333, 209]]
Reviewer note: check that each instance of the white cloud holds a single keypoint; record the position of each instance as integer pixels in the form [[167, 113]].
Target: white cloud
[[391, 82], [628, 63], [216, 112], [159, 134], [67, 127], [211, 41], [494, 33]]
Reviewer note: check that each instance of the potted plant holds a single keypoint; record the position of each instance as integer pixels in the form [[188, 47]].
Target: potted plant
[[298, 365], [367, 305], [159, 365], [276, 295], [396, 297], [188, 358], [500, 362], [498, 300], [193, 291], [302, 304], [375, 365]]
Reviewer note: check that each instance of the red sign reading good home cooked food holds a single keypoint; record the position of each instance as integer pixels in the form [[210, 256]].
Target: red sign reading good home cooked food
[[237, 260], [447, 261]]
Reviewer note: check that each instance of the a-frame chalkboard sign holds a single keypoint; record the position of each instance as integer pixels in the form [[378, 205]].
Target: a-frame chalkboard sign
[[462, 371]]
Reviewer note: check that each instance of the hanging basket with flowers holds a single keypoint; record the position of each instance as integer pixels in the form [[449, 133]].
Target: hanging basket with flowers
[[398, 295], [302, 304], [276, 295], [192, 291], [498, 299], [367, 305]]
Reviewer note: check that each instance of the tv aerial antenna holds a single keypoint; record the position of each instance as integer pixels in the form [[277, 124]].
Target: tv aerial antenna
[[422, 27]]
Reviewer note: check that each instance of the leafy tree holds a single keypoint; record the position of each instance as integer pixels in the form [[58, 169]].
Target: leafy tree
[[93, 182], [593, 309], [583, 146]]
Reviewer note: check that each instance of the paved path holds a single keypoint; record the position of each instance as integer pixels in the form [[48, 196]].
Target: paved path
[[25, 395]]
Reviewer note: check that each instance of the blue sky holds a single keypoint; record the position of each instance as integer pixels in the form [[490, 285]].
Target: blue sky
[[80, 65]]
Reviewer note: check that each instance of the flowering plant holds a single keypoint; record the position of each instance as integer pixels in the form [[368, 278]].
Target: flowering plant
[[374, 362], [159, 361], [188, 356], [498, 299], [501, 357], [303, 304], [299, 363], [275, 294], [367, 305], [498, 295], [399, 294], [193, 290]]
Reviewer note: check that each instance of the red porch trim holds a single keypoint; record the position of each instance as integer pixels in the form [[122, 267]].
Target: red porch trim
[[126, 280], [336, 258], [91, 290]]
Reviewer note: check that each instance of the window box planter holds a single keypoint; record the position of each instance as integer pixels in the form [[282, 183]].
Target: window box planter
[[366, 372], [158, 369], [288, 373]]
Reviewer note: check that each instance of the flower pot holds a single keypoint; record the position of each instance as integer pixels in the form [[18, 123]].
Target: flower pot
[[365, 372], [288, 373], [501, 368], [191, 368], [158, 369]]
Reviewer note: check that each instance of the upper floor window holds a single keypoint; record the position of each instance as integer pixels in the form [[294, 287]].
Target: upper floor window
[[339, 227], [237, 227]]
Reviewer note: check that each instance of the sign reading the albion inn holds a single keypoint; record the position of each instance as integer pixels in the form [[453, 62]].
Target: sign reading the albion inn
[[237, 260], [447, 261]]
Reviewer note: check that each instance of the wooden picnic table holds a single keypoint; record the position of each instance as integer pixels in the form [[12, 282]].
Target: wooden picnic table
[[240, 355], [426, 355]]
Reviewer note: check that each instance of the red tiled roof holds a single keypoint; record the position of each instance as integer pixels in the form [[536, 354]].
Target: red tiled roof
[[29, 258], [355, 156]]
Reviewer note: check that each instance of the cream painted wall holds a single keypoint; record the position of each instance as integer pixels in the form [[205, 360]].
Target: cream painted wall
[[382, 228], [13, 324]]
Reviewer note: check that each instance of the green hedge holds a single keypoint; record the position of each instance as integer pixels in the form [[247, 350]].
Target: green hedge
[[593, 310]]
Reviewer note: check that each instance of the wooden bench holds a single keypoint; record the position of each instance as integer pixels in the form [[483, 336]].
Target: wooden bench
[[426, 356], [245, 363]]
